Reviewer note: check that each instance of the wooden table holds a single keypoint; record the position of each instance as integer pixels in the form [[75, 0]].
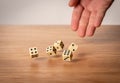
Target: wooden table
[[97, 59]]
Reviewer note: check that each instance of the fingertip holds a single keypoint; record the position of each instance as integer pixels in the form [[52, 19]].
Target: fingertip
[[81, 33], [70, 4], [90, 31], [74, 27], [73, 3], [97, 24], [90, 34]]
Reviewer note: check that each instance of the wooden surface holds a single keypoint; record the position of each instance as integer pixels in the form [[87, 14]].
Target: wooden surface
[[97, 59]]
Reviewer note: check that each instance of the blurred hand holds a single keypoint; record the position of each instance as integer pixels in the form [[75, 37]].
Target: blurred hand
[[87, 15]]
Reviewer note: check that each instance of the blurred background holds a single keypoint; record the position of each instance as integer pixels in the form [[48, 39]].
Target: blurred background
[[46, 12]]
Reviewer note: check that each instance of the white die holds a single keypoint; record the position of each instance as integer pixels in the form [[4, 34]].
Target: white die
[[67, 55], [59, 45], [50, 50], [33, 52]]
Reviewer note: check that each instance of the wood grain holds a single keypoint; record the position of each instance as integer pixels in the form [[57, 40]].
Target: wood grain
[[97, 59]]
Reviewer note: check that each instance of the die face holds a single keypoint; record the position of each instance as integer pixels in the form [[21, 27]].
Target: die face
[[67, 55], [59, 45], [62, 45], [52, 53], [73, 47], [51, 50], [33, 52], [68, 59]]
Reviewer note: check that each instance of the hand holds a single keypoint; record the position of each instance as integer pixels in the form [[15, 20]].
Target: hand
[[87, 15]]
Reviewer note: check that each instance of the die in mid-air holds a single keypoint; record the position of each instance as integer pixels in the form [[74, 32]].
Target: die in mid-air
[[67, 55], [50, 50], [59, 45]]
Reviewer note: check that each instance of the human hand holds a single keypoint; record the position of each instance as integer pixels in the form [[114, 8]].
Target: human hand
[[88, 15]]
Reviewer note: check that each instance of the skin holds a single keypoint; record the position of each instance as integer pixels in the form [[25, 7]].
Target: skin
[[88, 15]]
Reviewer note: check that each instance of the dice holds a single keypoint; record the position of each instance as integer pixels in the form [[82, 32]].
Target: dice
[[33, 52], [59, 45], [50, 50], [67, 55], [73, 47]]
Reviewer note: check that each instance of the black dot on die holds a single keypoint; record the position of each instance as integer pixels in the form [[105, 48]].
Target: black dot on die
[[73, 49], [72, 44]]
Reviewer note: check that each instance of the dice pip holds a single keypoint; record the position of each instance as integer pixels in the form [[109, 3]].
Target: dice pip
[[33, 52], [67, 55], [59, 45], [50, 50]]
